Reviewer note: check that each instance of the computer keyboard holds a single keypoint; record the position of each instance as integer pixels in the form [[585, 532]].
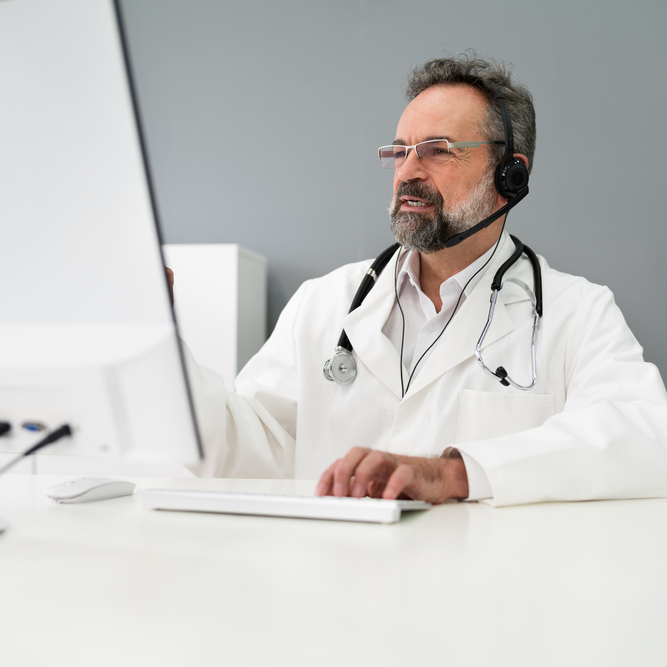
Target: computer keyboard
[[371, 510]]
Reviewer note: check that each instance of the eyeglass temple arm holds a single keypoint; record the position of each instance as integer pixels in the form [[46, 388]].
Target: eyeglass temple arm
[[472, 144]]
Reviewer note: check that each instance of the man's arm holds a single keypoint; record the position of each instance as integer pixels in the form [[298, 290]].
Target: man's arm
[[610, 439], [251, 434]]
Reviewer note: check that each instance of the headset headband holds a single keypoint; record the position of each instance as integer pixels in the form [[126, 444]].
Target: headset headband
[[507, 124]]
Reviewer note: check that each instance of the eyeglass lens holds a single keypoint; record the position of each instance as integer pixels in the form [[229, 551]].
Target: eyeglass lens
[[431, 152]]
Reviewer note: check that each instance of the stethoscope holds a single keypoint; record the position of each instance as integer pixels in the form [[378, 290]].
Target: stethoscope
[[342, 367]]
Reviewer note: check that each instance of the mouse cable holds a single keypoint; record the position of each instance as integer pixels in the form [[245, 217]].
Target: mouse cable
[[52, 437]]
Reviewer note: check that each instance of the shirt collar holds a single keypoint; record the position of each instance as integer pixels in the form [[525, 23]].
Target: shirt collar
[[411, 263]]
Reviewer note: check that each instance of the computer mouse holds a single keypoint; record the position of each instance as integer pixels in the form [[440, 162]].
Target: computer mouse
[[88, 489]]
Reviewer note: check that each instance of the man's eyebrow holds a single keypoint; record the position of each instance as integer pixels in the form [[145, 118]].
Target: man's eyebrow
[[400, 142], [440, 137]]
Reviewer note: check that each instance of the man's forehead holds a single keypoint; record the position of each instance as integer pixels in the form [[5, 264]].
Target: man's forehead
[[449, 112]]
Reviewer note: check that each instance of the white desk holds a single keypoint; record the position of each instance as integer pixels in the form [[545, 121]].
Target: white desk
[[464, 584]]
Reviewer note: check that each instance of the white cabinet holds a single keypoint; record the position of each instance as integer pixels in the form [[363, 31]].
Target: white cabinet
[[220, 303]]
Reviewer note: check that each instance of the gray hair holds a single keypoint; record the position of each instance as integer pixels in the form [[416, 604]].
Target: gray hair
[[485, 75]]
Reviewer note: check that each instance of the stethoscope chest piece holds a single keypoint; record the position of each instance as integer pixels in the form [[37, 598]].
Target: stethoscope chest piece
[[341, 368]]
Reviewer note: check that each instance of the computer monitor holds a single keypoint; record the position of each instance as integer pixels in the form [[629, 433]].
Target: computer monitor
[[87, 332]]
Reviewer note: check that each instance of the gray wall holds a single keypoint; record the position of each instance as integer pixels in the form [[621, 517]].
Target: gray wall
[[263, 119]]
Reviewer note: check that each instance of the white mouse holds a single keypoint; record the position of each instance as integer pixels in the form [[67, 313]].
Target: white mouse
[[88, 489]]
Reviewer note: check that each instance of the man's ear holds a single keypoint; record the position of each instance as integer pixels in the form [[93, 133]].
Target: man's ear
[[523, 159]]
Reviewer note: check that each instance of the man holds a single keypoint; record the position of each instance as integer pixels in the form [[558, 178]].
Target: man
[[422, 419]]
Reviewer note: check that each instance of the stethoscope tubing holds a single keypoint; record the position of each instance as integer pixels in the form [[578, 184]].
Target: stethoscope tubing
[[341, 368], [536, 299]]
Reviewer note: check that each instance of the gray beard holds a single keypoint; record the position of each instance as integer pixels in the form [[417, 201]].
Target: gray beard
[[427, 232]]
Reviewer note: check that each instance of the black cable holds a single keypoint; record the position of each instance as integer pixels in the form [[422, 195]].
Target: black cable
[[403, 319], [52, 437], [456, 307]]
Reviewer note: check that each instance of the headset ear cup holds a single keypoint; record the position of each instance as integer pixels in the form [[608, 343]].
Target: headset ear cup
[[511, 178]]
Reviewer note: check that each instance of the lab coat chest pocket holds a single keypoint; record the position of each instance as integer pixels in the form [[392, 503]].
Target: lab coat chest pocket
[[487, 415]]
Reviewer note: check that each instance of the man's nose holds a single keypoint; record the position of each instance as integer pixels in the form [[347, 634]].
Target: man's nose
[[412, 169]]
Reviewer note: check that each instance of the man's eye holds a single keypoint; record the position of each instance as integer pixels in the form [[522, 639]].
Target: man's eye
[[434, 150]]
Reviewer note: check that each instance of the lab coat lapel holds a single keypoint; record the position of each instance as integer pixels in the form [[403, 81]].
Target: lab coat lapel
[[364, 329], [460, 339], [364, 325]]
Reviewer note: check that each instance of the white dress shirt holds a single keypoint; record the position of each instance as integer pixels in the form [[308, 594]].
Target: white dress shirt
[[423, 325]]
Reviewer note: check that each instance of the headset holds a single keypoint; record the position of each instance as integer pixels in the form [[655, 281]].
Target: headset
[[511, 177], [511, 181]]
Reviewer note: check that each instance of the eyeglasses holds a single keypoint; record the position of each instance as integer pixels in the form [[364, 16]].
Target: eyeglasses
[[432, 152]]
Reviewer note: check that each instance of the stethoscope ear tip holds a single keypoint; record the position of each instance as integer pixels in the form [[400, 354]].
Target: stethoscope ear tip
[[501, 374]]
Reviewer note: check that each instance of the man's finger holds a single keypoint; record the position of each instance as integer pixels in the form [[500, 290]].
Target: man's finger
[[375, 489], [377, 466], [345, 470], [403, 477], [325, 485], [170, 283]]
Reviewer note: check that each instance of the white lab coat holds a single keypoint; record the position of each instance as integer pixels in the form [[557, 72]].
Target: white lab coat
[[594, 426]]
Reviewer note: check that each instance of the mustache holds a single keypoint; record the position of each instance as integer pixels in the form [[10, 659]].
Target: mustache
[[417, 189], [421, 191]]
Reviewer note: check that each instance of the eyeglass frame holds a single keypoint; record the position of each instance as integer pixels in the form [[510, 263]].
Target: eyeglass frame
[[450, 145]]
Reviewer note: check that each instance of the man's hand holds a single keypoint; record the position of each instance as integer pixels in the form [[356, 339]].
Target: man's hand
[[369, 472], [170, 282]]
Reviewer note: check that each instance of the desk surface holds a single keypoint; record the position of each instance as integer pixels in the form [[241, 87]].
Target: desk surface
[[463, 584]]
